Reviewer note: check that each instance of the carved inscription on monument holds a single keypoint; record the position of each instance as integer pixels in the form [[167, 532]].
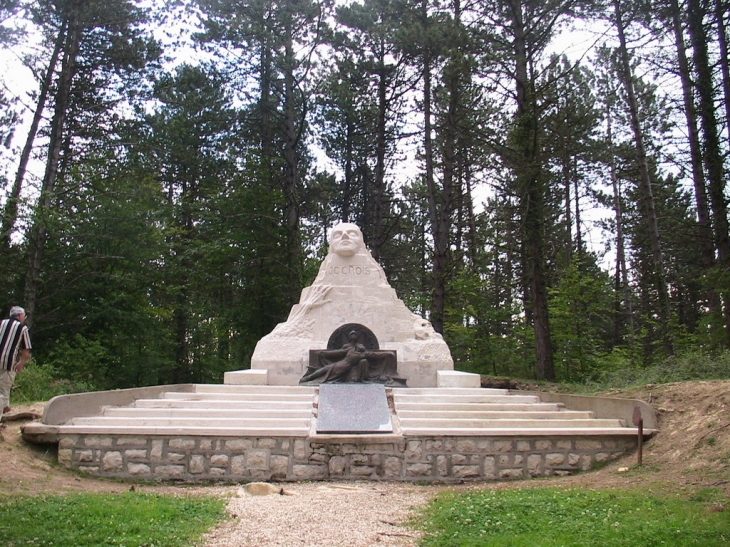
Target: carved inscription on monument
[[349, 270]]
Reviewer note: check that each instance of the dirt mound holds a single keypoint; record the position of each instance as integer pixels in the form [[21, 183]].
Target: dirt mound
[[33, 469], [692, 449]]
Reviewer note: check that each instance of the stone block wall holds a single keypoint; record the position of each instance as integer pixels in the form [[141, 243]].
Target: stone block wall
[[431, 459]]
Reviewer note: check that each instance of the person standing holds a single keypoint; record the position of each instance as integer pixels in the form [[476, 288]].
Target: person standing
[[14, 352]]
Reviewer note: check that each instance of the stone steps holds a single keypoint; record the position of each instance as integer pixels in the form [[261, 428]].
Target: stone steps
[[444, 391], [408, 424], [491, 412], [242, 433], [224, 396], [434, 397], [206, 411], [246, 422], [441, 407], [404, 414], [487, 432], [238, 431], [223, 404], [257, 390], [291, 410]]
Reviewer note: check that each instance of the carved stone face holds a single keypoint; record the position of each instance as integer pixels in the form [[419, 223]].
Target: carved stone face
[[346, 239]]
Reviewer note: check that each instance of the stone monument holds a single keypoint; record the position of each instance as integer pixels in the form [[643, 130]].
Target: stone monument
[[351, 289]]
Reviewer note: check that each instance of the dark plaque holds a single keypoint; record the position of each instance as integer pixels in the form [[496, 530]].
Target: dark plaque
[[353, 408]]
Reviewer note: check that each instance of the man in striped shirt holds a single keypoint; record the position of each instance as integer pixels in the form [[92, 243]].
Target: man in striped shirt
[[14, 352]]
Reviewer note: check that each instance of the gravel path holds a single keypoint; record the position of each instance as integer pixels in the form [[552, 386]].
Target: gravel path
[[323, 515]]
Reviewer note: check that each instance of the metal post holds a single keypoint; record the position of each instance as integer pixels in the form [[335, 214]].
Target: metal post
[[639, 422]]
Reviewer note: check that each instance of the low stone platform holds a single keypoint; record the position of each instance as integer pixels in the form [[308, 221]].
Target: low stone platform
[[197, 432]]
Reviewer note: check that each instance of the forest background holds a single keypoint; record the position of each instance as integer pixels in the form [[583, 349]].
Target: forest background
[[170, 177]]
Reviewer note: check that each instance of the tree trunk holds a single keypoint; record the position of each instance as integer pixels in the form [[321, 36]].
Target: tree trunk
[[10, 214], [712, 153], [578, 229], [698, 176], [470, 217], [440, 199], [566, 171], [378, 185], [182, 357], [720, 10], [531, 193], [645, 182], [291, 176], [348, 183], [438, 288], [621, 284], [265, 106], [39, 230]]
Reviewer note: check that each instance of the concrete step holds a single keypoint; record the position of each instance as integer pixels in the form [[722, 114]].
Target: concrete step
[[200, 423], [240, 389], [231, 396], [186, 412], [456, 398], [409, 423], [230, 409], [225, 404], [180, 430], [483, 412], [429, 391], [495, 414], [409, 431], [224, 410], [477, 407]]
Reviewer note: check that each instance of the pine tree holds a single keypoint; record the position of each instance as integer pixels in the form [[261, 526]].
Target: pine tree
[[102, 41]]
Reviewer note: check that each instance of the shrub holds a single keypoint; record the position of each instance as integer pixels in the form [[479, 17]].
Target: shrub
[[40, 383], [690, 366]]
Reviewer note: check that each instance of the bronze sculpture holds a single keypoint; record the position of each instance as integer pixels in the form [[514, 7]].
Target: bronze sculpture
[[353, 362]]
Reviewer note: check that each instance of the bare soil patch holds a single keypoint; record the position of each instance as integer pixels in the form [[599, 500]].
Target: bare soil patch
[[691, 449]]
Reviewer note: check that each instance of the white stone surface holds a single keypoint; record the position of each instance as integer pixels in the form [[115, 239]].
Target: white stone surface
[[351, 287], [246, 377], [455, 378]]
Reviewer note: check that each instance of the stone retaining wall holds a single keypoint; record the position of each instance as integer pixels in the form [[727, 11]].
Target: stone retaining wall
[[435, 459]]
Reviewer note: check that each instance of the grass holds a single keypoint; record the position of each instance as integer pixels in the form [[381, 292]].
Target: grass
[[551, 517], [130, 520]]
